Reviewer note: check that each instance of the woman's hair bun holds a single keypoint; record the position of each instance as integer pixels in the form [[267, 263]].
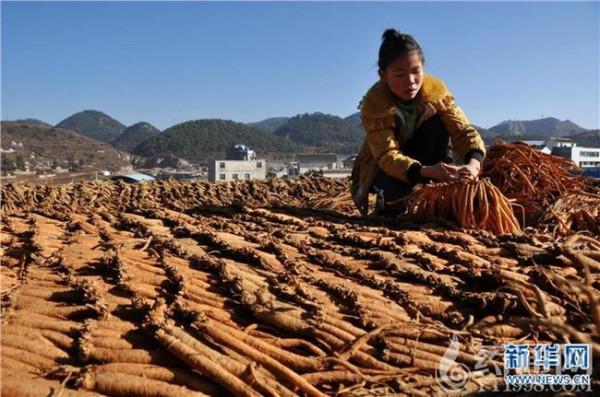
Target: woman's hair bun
[[390, 34], [394, 45]]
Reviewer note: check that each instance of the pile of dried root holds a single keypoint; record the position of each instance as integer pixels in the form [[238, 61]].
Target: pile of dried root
[[577, 212], [532, 178], [309, 193]]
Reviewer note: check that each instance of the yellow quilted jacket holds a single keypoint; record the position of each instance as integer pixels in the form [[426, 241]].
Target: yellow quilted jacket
[[382, 148]]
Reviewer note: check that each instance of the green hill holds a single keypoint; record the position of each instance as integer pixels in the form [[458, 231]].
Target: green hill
[[589, 138], [327, 132], [269, 125], [201, 140], [93, 124], [45, 148], [354, 118], [34, 121], [546, 127], [134, 135]]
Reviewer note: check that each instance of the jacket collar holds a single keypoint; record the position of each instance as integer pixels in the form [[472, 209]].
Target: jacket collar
[[380, 101]]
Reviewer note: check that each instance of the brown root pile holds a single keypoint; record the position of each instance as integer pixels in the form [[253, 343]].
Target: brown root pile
[[532, 178], [577, 212], [309, 193], [185, 289], [471, 204]]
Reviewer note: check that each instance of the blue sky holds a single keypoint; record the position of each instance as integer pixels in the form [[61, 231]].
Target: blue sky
[[166, 62]]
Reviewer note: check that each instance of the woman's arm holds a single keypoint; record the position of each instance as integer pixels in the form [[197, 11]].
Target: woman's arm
[[386, 152], [466, 140]]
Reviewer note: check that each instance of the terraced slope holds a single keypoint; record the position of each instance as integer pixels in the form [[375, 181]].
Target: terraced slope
[[264, 289]]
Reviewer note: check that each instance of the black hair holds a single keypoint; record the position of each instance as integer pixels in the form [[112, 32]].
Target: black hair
[[395, 45]]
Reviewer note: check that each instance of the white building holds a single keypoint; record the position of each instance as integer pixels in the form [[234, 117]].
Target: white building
[[233, 170], [315, 162], [582, 156], [559, 142]]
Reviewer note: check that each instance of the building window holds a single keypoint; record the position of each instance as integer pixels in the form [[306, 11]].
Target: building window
[[259, 164], [222, 164], [234, 176], [590, 154], [222, 177], [248, 176]]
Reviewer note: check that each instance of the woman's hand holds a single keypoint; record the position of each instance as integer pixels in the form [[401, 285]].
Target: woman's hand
[[441, 172], [470, 170]]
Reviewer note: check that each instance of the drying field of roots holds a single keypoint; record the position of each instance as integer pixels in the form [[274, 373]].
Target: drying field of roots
[[269, 289]]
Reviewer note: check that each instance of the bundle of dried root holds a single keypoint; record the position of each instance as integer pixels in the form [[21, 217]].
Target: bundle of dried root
[[470, 204], [341, 203], [532, 178]]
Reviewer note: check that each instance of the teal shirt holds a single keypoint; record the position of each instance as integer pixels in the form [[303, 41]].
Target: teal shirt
[[408, 114]]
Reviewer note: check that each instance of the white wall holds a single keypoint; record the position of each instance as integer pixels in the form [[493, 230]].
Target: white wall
[[231, 170], [586, 157]]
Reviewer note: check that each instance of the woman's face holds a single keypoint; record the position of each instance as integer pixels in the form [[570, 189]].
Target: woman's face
[[404, 76]]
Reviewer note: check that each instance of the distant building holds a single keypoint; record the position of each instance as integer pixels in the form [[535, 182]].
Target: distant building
[[293, 171], [240, 152], [60, 170], [536, 144], [133, 178], [349, 162], [582, 156], [539, 145], [315, 162], [277, 172], [233, 170], [559, 142]]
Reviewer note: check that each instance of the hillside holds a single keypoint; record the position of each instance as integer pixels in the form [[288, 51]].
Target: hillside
[[200, 140], [545, 128], [93, 124], [34, 121], [47, 147], [325, 131], [269, 125], [354, 118], [589, 138], [134, 135]]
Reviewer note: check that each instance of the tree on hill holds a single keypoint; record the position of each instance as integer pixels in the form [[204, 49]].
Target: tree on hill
[[134, 135], [270, 124], [201, 140], [323, 130], [93, 124]]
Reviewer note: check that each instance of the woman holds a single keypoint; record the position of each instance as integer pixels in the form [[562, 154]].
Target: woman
[[408, 117]]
